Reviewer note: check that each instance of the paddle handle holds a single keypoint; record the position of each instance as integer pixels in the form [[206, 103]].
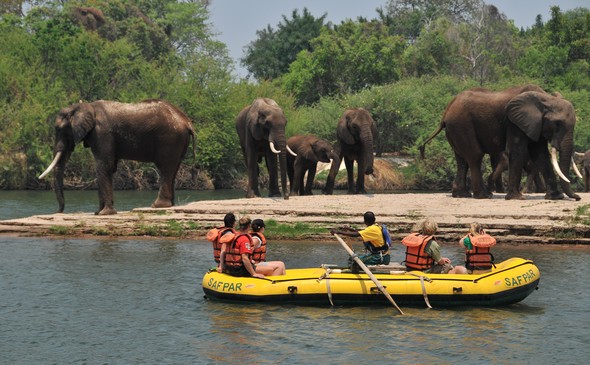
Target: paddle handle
[[368, 272]]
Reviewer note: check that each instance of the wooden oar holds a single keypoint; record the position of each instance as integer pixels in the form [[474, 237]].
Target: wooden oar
[[368, 272]]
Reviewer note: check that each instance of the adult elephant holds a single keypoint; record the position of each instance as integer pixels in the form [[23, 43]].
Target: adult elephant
[[261, 129], [310, 150], [150, 131], [356, 133], [475, 125], [534, 120], [584, 159]]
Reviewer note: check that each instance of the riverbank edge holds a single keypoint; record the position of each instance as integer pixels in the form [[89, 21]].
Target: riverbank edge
[[531, 221]]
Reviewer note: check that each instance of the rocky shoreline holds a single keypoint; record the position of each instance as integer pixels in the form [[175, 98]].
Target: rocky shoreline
[[534, 220]]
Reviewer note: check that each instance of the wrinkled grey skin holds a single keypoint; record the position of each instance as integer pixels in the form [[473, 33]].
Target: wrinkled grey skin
[[534, 180], [356, 134], [584, 159], [150, 131], [257, 125], [310, 150], [475, 125], [535, 120]]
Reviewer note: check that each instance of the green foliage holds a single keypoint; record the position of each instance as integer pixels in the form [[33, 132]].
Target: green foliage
[[404, 67], [353, 56], [270, 55]]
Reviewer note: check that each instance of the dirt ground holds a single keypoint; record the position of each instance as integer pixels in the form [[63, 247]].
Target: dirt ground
[[534, 220]]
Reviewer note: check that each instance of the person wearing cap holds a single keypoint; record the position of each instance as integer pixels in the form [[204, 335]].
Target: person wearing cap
[[267, 268], [373, 240]]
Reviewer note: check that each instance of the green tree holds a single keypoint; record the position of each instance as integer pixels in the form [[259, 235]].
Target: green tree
[[270, 55], [349, 58]]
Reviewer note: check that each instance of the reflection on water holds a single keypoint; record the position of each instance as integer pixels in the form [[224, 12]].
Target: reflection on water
[[19, 204], [140, 302]]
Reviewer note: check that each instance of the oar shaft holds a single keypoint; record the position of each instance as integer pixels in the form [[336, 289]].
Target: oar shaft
[[368, 272]]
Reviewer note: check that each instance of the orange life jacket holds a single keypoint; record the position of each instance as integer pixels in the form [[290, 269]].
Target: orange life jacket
[[479, 257], [259, 253], [218, 236], [416, 257], [233, 257]]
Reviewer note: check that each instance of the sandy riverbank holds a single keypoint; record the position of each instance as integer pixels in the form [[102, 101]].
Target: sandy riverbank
[[534, 220]]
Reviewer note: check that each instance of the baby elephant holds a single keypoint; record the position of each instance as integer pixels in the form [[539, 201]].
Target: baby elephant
[[310, 150]]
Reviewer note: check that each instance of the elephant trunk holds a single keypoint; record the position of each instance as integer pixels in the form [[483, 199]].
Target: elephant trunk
[[334, 168], [58, 180], [565, 159], [278, 145], [366, 138]]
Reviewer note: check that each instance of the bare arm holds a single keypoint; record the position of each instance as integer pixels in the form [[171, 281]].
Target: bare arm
[[222, 258]]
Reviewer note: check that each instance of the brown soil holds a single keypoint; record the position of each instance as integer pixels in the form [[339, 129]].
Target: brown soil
[[534, 220]]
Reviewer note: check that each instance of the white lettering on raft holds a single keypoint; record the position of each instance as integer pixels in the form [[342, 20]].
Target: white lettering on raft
[[220, 285], [520, 279]]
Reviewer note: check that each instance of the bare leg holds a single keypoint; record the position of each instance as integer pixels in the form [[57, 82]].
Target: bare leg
[[271, 268]]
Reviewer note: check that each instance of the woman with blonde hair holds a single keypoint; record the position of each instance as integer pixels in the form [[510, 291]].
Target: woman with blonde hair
[[423, 252], [477, 243]]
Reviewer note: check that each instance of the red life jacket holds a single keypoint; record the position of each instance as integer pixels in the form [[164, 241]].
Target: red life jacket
[[214, 235], [233, 257], [416, 257], [259, 253], [479, 257]]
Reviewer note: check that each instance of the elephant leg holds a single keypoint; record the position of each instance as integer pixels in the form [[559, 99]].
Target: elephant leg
[[459, 189], [165, 196], [499, 165], [360, 177], [104, 176], [297, 187], [310, 177], [349, 163], [273, 174], [252, 170], [479, 189], [586, 179]]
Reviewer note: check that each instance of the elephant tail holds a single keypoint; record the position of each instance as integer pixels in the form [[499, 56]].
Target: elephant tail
[[423, 146]]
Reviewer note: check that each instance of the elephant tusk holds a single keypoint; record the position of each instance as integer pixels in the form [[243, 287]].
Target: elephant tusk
[[576, 169], [578, 154], [556, 165], [273, 149], [290, 151], [52, 165]]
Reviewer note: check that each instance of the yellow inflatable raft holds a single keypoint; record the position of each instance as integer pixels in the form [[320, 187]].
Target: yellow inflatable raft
[[509, 282]]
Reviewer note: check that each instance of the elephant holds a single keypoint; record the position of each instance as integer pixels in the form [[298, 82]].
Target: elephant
[[534, 120], [584, 159], [310, 150], [475, 125], [261, 129], [356, 133], [149, 131], [534, 180]]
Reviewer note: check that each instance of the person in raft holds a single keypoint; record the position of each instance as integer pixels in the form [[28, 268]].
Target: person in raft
[[477, 243], [267, 268], [373, 240], [423, 252], [221, 236], [236, 260]]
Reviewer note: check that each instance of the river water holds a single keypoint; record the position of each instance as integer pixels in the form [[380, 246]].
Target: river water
[[132, 301]]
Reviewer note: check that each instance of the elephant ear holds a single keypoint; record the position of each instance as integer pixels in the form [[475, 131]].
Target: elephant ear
[[82, 120], [343, 130], [525, 111], [256, 117]]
